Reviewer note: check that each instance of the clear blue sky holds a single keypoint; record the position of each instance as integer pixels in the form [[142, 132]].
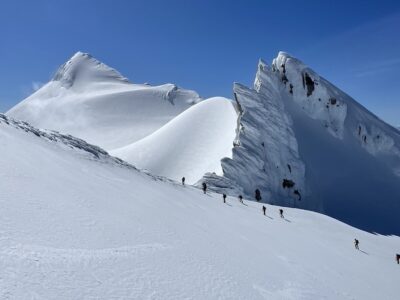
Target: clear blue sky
[[206, 45]]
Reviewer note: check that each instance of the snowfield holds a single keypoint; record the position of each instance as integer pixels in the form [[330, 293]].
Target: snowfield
[[76, 223], [190, 145]]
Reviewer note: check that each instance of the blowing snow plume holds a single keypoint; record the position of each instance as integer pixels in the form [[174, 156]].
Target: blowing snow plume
[[92, 101]]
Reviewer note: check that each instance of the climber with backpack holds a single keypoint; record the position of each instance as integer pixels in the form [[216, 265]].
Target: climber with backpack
[[204, 185], [356, 242]]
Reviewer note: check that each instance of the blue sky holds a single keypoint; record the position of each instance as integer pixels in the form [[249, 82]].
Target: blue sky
[[206, 45]]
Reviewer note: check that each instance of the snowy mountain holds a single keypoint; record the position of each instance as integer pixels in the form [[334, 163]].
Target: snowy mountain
[[296, 137], [305, 143], [139, 123], [76, 223], [90, 100]]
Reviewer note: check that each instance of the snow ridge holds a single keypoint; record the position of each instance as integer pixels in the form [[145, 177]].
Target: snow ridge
[[265, 155], [65, 140], [336, 111], [312, 93], [189, 145], [83, 65], [92, 101], [305, 143]]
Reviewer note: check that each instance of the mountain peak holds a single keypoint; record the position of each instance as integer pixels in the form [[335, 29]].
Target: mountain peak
[[84, 67]]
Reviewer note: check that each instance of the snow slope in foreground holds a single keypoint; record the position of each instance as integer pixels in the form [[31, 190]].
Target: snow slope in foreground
[[76, 223], [190, 145], [92, 101]]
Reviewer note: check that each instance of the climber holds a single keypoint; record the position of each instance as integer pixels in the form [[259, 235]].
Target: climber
[[398, 258], [356, 242], [240, 198], [258, 195], [224, 197], [291, 88], [183, 180], [264, 209], [281, 213], [204, 187]]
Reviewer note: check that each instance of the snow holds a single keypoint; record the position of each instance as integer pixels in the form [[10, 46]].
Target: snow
[[299, 139], [296, 126], [321, 103], [76, 223], [92, 101], [266, 147], [190, 145]]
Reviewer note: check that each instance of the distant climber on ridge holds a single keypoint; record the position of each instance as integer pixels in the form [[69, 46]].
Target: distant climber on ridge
[[224, 197], [356, 242], [264, 209], [281, 213], [204, 187], [183, 180], [240, 198], [398, 258]]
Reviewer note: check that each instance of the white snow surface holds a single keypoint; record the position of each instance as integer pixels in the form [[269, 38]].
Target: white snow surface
[[76, 223], [298, 138], [190, 145], [92, 101]]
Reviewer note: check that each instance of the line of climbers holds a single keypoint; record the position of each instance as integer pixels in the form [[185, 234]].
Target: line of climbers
[[258, 198]]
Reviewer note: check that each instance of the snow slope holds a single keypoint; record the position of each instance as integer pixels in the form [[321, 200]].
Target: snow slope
[[190, 145], [299, 139], [76, 223], [90, 100], [305, 143]]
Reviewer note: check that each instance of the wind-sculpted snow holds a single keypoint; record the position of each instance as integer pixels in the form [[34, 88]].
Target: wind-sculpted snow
[[305, 143], [82, 67], [312, 93], [337, 111], [190, 145], [63, 140], [265, 155], [92, 101], [296, 137]]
